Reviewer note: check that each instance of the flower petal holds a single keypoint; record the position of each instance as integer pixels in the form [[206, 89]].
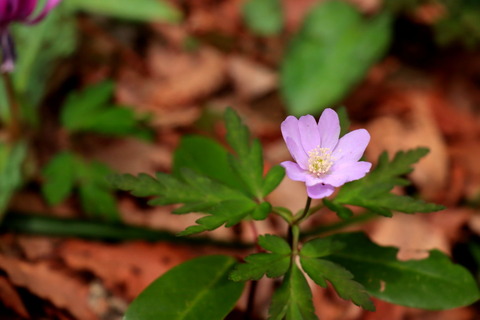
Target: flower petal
[[289, 129], [312, 180], [329, 129], [48, 7], [308, 128], [25, 10], [320, 191], [3, 10], [346, 172], [294, 171], [351, 146], [13, 9], [297, 153]]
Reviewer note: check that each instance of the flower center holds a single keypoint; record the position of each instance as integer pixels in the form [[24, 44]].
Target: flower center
[[319, 161]]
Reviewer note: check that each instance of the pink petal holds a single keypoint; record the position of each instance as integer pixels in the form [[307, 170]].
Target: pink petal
[[320, 191], [329, 129], [312, 180], [289, 129], [48, 7], [26, 9], [294, 171], [3, 11], [297, 153], [309, 133], [351, 146], [346, 172]]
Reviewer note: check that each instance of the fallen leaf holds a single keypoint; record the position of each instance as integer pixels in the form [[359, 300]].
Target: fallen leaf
[[125, 268], [48, 282], [251, 79], [11, 299], [416, 129]]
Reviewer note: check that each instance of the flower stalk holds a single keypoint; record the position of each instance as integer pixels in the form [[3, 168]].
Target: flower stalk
[[14, 125]]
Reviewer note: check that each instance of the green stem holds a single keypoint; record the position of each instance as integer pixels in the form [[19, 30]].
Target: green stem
[[14, 125], [304, 214], [284, 213], [295, 236], [59, 227], [294, 230]]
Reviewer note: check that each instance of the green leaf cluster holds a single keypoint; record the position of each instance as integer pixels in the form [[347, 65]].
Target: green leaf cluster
[[320, 270], [66, 171], [196, 289], [316, 71], [264, 17], [273, 265], [373, 191], [207, 178], [91, 111], [434, 283], [293, 300]]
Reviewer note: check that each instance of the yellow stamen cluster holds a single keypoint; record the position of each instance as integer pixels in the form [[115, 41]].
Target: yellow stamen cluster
[[320, 161]]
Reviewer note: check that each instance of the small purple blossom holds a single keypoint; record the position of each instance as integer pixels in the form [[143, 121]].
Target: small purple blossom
[[322, 160], [17, 11]]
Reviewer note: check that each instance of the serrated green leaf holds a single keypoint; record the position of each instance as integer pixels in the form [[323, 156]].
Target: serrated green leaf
[[80, 106], [274, 244], [11, 163], [141, 10], [342, 212], [228, 212], [96, 195], [373, 191], [315, 72], [320, 247], [198, 193], [208, 158], [142, 185], [249, 160], [60, 177], [264, 17], [273, 178], [90, 110], [293, 300], [257, 265], [66, 170], [272, 265], [196, 289], [261, 211], [433, 283], [320, 270], [99, 202]]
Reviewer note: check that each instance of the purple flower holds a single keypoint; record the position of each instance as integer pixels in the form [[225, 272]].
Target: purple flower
[[17, 11], [322, 160]]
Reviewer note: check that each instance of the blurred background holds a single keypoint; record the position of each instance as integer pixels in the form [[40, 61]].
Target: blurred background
[[111, 86]]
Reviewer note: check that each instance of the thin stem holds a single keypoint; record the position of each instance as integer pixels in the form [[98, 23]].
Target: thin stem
[[36, 224], [295, 236], [14, 125], [294, 230], [305, 211]]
